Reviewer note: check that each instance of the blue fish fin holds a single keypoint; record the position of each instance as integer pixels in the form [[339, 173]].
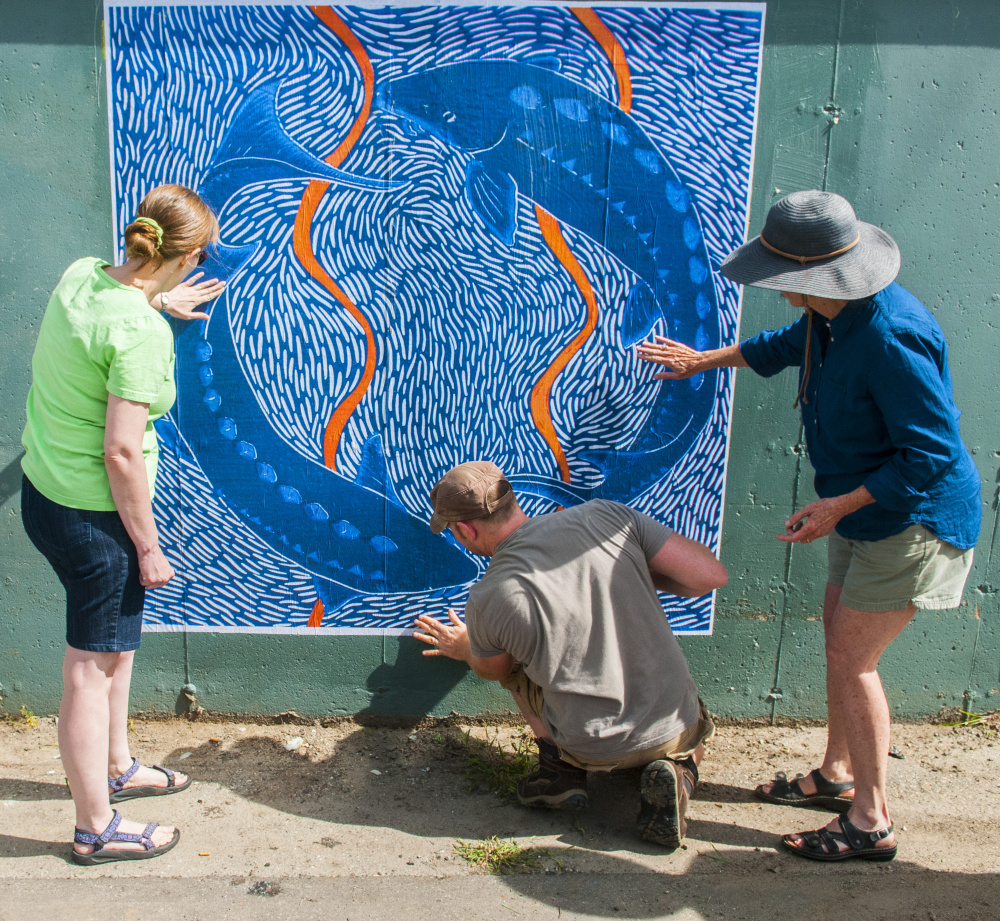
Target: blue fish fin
[[605, 461], [171, 439], [256, 148], [547, 61], [224, 263], [547, 487], [373, 472], [333, 595], [639, 314], [493, 196]]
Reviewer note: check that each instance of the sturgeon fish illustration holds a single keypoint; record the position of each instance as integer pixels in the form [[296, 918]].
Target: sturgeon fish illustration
[[530, 131], [353, 535]]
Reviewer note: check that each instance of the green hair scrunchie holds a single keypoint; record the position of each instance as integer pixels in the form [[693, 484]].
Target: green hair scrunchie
[[155, 226]]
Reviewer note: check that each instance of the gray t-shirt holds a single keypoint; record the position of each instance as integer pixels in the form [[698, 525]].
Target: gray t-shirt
[[570, 597]]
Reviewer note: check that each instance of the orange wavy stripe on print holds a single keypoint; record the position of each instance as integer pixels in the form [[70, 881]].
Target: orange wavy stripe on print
[[613, 49], [316, 617], [302, 235], [541, 392], [340, 28], [302, 245]]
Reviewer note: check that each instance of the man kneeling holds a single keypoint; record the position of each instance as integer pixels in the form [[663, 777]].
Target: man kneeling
[[566, 618]]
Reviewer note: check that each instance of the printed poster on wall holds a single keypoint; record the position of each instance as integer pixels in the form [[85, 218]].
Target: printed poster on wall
[[444, 228]]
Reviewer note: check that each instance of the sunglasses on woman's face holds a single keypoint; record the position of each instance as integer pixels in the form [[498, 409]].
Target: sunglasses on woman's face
[[202, 256]]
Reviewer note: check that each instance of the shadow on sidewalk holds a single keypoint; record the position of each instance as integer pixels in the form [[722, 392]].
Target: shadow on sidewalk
[[414, 780], [11, 846], [31, 790], [770, 887]]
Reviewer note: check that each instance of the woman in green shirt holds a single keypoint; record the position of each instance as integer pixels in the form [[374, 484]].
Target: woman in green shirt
[[102, 373]]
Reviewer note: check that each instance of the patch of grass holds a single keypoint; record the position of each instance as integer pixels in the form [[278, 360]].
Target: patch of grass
[[496, 767], [499, 855]]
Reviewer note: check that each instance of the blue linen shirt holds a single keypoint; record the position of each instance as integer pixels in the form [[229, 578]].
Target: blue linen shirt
[[878, 410]]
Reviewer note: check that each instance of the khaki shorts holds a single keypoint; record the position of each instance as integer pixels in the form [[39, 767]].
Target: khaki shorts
[[888, 574], [677, 748]]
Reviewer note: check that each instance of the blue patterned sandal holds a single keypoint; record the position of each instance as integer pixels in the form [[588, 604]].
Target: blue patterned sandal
[[822, 844], [119, 792], [101, 854]]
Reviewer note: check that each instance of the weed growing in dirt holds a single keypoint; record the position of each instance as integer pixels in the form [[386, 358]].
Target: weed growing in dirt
[[28, 719], [988, 722], [495, 767], [498, 855]]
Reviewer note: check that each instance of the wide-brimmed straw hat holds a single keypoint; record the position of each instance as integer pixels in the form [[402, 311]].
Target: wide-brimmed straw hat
[[813, 243]]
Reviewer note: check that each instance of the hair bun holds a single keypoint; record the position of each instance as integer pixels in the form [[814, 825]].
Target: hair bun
[[141, 240]]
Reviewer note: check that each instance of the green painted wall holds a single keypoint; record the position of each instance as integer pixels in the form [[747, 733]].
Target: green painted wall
[[892, 103]]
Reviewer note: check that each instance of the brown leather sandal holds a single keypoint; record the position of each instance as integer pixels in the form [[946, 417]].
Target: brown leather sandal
[[822, 844], [785, 792]]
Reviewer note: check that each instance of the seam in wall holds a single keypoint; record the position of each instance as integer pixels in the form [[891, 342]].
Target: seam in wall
[[979, 615], [800, 447]]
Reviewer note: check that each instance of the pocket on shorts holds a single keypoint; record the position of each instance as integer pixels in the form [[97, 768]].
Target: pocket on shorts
[[898, 554], [52, 526], [884, 574]]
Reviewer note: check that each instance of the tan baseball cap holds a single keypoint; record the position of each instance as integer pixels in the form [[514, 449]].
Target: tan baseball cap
[[469, 492]]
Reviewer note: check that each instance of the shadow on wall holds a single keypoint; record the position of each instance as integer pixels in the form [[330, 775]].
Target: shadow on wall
[[10, 479], [392, 684]]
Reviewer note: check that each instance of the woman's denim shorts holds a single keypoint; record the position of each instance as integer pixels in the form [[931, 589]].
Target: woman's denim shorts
[[97, 564]]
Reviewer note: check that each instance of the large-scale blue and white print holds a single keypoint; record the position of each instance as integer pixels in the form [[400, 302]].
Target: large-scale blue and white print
[[443, 229]]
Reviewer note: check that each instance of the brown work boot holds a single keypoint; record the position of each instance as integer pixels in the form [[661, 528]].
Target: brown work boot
[[666, 789], [555, 784]]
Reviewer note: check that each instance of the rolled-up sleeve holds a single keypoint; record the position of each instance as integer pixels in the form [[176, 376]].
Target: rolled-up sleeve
[[921, 419], [772, 351]]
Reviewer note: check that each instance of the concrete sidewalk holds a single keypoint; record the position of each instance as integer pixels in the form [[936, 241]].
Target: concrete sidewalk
[[359, 822]]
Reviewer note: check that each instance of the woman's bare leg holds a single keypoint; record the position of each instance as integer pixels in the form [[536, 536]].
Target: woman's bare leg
[[119, 756], [83, 733], [836, 766], [854, 646], [84, 717]]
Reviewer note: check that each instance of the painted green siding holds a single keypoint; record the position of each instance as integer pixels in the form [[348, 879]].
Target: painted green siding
[[892, 103]]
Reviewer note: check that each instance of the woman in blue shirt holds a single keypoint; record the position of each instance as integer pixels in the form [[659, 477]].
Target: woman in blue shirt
[[899, 493]]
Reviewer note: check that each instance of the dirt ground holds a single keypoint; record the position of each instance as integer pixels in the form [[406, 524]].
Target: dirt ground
[[362, 822]]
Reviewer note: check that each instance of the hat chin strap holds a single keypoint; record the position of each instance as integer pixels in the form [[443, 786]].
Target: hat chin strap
[[802, 260], [801, 395]]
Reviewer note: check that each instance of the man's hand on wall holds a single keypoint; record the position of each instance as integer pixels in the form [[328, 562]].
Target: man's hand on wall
[[451, 640]]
